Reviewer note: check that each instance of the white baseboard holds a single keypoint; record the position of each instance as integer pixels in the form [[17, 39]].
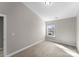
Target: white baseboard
[[67, 50], [11, 54]]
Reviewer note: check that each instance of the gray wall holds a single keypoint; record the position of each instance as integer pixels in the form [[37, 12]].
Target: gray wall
[[24, 27], [1, 32], [65, 31]]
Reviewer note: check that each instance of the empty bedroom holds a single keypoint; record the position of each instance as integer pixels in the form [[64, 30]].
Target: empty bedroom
[[39, 29]]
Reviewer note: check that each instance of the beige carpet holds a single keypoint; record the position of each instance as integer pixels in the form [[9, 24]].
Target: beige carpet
[[43, 49]]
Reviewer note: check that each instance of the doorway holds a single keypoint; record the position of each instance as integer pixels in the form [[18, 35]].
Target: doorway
[[2, 35]]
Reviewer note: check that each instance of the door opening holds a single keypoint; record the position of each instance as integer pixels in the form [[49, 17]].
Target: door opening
[[3, 30], [1, 36]]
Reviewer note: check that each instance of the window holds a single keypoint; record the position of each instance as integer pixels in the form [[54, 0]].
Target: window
[[51, 30]]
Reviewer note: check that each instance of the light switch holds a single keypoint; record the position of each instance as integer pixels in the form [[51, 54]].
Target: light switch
[[13, 34]]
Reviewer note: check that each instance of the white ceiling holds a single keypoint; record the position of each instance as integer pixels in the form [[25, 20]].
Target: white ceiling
[[58, 10]]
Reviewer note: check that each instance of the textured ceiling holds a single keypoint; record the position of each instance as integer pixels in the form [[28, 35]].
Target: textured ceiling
[[58, 10]]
